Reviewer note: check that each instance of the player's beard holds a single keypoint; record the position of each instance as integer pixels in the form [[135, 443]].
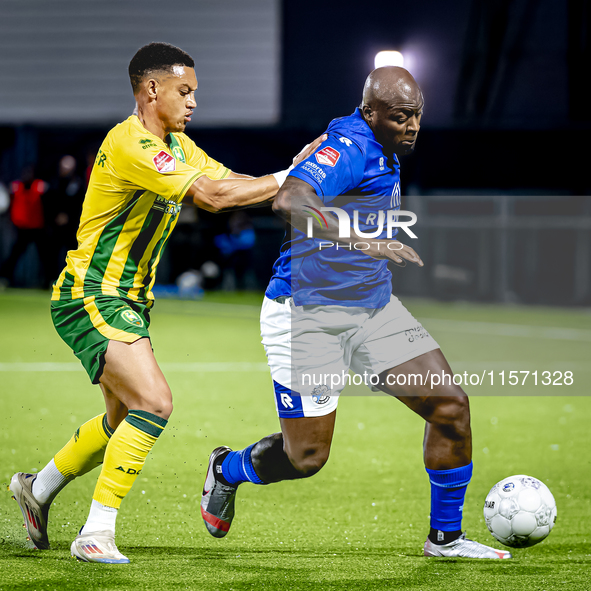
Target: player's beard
[[404, 149]]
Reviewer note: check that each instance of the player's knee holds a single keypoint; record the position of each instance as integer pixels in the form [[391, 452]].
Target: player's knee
[[310, 460], [164, 407], [452, 413], [159, 402]]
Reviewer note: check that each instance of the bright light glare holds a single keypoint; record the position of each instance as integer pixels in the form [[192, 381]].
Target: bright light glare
[[389, 58]]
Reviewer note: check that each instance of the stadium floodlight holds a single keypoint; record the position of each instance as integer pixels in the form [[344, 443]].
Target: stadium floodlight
[[389, 58]]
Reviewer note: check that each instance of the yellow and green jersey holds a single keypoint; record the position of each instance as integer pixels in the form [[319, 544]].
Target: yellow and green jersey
[[134, 197]]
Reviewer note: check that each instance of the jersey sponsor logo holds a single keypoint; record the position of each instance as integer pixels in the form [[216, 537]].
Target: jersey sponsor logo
[[147, 143], [132, 318], [168, 206], [328, 156], [314, 171], [346, 141], [164, 162]]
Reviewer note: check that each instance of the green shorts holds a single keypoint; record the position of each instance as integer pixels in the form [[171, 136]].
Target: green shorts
[[87, 325]]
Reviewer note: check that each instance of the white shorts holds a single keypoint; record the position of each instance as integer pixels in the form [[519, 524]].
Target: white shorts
[[310, 350]]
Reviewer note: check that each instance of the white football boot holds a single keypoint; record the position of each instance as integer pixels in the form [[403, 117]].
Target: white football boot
[[98, 546], [34, 513], [462, 547]]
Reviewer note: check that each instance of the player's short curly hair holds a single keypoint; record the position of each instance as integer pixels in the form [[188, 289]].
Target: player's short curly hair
[[156, 57]]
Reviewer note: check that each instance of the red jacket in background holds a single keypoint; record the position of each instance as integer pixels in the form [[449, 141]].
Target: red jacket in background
[[26, 212]]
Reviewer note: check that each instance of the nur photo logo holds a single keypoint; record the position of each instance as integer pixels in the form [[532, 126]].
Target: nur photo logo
[[389, 219]]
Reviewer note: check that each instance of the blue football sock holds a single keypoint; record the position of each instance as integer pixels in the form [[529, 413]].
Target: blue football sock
[[448, 489], [237, 467]]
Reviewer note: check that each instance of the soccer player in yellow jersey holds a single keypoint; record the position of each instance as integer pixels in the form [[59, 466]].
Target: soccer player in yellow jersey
[[145, 168]]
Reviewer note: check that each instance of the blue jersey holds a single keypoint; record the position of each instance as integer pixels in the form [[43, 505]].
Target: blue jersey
[[349, 171]]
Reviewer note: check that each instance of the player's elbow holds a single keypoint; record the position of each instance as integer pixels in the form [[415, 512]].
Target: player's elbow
[[209, 195], [281, 203], [210, 206], [211, 202]]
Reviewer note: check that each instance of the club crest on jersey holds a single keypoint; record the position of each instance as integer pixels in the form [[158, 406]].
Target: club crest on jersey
[[132, 318], [328, 156], [164, 162], [178, 153], [320, 394]]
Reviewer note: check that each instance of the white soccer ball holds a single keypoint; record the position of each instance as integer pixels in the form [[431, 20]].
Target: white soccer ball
[[520, 511]]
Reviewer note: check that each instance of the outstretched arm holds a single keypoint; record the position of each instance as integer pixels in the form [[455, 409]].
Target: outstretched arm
[[239, 190], [289, 205], [232, 193]]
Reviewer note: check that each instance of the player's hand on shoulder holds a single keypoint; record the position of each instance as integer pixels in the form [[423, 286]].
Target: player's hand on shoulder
[[394, 251], [309, 149]]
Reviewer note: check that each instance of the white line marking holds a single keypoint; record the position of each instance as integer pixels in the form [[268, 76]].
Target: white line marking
[[477, 366], [205, 367], [245, 366], [508, 330]]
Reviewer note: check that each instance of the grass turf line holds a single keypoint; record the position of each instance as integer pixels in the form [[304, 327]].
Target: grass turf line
[[360, 522]]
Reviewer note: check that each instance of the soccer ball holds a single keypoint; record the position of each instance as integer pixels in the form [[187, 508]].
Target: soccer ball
[[520, 511]]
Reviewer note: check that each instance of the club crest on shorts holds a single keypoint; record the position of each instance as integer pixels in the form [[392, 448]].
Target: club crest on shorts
[[320, 394], [132, 318]]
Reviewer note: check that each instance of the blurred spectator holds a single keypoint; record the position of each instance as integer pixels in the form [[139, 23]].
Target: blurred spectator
[[27, 217], [236, 248], [63, 206], [4, 199]]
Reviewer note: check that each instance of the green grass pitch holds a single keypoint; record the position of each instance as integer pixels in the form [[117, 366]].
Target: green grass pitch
[[361, 522]]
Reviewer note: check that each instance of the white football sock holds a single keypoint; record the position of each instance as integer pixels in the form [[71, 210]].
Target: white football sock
[[100, 518], [48, 483]]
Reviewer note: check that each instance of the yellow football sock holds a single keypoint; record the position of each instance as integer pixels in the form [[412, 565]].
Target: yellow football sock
[[125, 455], [86, 448]]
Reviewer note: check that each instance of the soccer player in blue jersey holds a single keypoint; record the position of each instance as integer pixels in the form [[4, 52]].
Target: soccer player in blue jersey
[[329, 308]]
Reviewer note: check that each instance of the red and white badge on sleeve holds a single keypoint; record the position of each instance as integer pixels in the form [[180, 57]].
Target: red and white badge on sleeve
[[164, 162], [328, 156]]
